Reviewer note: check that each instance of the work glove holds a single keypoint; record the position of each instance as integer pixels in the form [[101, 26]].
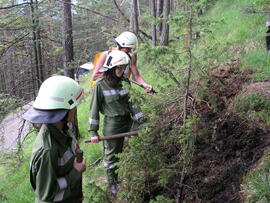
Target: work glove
[[94, 136]]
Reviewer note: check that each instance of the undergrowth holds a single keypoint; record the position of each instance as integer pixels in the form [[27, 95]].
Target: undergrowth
[[255, 106], [256, 184], [154, 162]]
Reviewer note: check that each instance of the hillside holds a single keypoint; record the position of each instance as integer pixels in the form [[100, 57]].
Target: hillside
[[220, 154], [207, 136]]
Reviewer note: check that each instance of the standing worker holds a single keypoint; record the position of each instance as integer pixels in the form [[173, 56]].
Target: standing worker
[[55, 172], [110, 99], [126, 42]]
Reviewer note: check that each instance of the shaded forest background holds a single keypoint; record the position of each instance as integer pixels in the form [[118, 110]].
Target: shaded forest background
[[206, 59], [34, 39]]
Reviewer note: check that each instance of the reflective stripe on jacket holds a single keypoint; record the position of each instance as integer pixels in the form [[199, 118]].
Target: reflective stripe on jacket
[[51, 168], [111, 102]]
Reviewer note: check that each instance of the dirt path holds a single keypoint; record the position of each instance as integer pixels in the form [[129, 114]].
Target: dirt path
[[9, 129]]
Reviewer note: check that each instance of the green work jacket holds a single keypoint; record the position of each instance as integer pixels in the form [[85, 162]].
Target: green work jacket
[[52, 175], [112, 102]]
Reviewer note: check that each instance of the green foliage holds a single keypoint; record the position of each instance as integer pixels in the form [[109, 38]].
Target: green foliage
[[187, 139], [8, 104], [15, 186], [253, 105], [161, 199], [256, 185], [264, 4], [95, 194], [154, 156], [150, 159], [259, 60]]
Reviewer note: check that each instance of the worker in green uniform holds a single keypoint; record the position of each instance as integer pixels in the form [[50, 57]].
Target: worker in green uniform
[[55, 173], [126, 42], [110, 99]]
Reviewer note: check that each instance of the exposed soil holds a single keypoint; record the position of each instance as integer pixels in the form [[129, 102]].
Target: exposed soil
[[221, 161], [262, 88], [232, 145]]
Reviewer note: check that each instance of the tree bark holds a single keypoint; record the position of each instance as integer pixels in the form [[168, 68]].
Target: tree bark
[[68, 55], [37, 43], [190, 63], [164, 40], [134, 25], [159, 11], [154, 26]]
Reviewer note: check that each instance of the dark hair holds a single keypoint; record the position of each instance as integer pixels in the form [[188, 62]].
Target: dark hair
[[119, 46], [111, 78]]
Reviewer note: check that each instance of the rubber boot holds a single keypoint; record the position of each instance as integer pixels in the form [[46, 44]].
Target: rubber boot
[[114, 189], [112, 180]]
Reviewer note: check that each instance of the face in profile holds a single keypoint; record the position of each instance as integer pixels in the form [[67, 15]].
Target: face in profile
[[119, 70], [126, 50]]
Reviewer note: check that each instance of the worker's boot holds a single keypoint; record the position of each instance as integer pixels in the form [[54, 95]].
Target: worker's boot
[[114, 189]]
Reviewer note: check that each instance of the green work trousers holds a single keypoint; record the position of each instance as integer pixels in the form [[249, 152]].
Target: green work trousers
[[112, 126]]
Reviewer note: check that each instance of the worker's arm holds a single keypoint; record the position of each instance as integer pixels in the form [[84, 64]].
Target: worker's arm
[[95, 107], [101, 60], [136, 74], [49, 187]]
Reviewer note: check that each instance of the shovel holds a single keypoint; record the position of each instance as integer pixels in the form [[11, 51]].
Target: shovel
[[120, 135], [142, 86]]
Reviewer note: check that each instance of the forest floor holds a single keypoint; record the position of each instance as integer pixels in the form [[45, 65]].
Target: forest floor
[[234, 145], [231, 146]]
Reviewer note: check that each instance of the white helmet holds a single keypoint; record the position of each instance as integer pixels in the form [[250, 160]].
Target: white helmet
[[127, 39], [58, 92], [56, 96], [115, 58]]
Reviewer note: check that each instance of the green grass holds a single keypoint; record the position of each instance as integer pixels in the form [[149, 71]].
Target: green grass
[[14, 175], [235, 34], [258, 60], [256, 185], [253, 105], [14, 182]]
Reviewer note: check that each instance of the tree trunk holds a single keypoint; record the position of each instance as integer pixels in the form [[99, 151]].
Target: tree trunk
[[165, 27], [68, 56], [134, 25], [173, 6], [190, 64], [37, 43], [154, 26], [159, 11], [39, 52]]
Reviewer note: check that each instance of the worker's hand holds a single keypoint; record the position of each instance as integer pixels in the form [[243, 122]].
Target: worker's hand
[[141, 120], [94, 136], [95, 139], [80, 167], [148, 89]]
